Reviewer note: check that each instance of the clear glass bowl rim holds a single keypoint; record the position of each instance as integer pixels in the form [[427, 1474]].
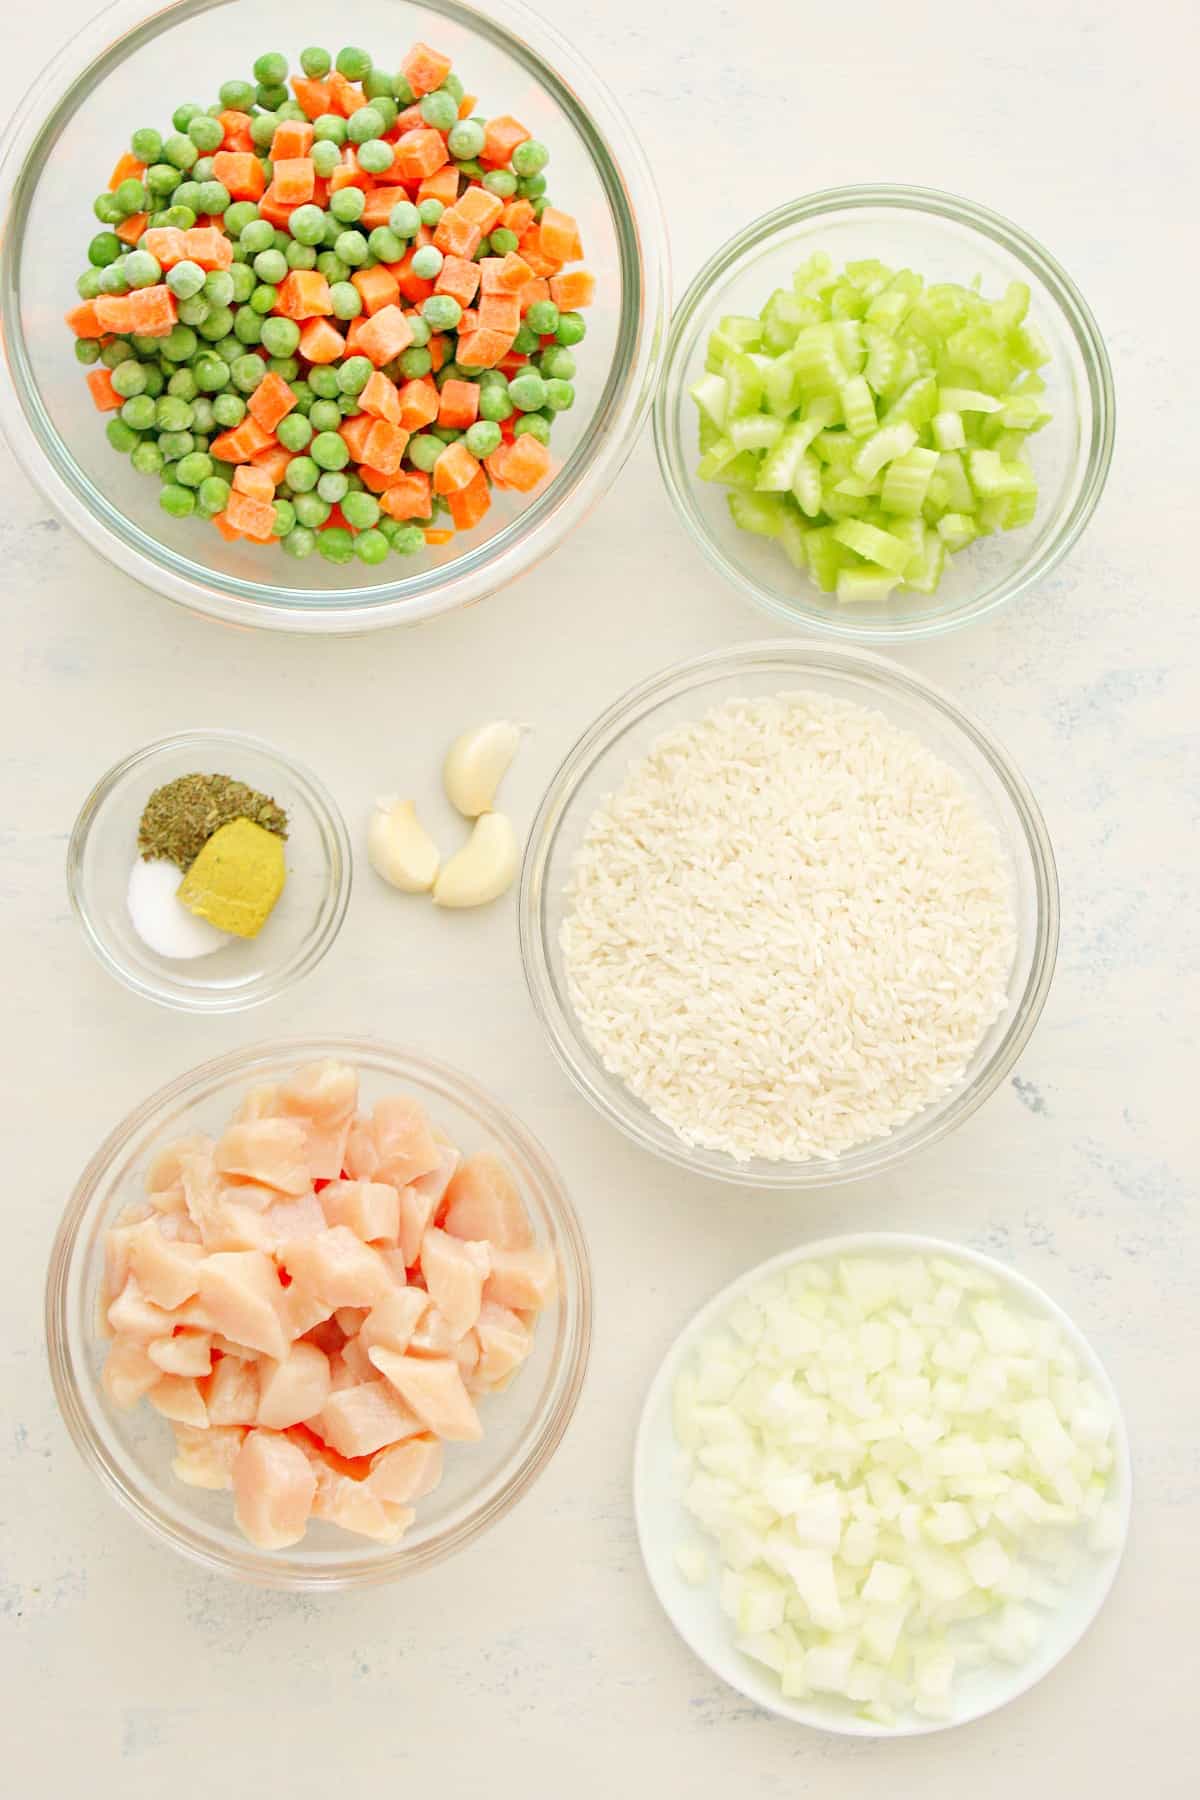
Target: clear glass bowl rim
[[387, 1563], [639, 224], [337, 844], [673, 456], [790, 658]]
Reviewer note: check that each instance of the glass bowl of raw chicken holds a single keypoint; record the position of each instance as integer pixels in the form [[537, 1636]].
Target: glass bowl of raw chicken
[[318, 1313]]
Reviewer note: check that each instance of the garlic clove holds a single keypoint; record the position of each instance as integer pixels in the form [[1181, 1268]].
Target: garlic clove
[[475, 764], [485, 866], [399, 847]]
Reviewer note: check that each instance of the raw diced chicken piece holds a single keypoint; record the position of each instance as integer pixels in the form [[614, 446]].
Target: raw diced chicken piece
[[167, 1272], [407, 1146], [186, 1353], [407, 1472], [361, 1419], [392, 1320], [433, 1388], [504, 1343], [341, 1375], [466, 1355], [356, 1507], [433, 1335], [273, 1490], [170, 1201], [521, 1278], [455, 1270], [289, 1219], [393, 1260], [179, 1397], [482, 1201], [128, 1373], [270, 1151], [178, 1228], [241, 1296], [416, 1216], [370, 1209], [308, 1316], [337, 1266], [231, 1393], [293, 1389], [166, 1169], [326, 1333], [354, 1358], [132, 1315], [223, 1346], [351, 1319], [205, 1459], [434, 1184], [323, 1096], [228, 1225], [117, 1242], [361, 1156], [198, 1178], [261, 1102]]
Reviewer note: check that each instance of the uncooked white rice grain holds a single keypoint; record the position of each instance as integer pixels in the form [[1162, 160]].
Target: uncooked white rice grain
[[789, 929]]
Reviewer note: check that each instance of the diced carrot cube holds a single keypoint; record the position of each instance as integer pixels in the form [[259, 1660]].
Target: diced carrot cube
[[243, 443], [455, 468], [226, 529], [165, 244], [321, 342], [560, 235], [293, 137], [535, 289], [411, 119], [354, 331], [500, 312], [511, 364], [104, 394], [255, 517], [468, 321], [128, 168], [83, 320], [467, 105], [375, 479], [414, 288], [293, 180], [130, 229], [459, 278], [273, 210], [274, 461], [314, 97], [152, 310], [378, 287], [436, 536], [349, 173], [377, 207], [518, 216], [469, 504], [573, 289], [241, 173], [482, 349], [501, 137], [420, 153], [354, 433], [437, 350], [425, 69], [535, 257], [419, 403], [385, 445], [208, 246], [522, 464], [443, 186], [514, 273], [345, 97], [253, 479], [481, 206], [303, 294], [489, 274], [385, 335], [271, 401], [236, 126], [456, 236], [459, 404], [381, 398], [112, 310], [409, 497]]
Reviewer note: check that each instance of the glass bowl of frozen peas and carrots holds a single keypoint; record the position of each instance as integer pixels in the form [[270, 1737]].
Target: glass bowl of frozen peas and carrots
[[885, 412], [357, 332], [264, 823], [788, 915], [130, 1432]]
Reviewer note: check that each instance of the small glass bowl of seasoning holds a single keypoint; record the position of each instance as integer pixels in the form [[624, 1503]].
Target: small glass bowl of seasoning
[[209, 871]]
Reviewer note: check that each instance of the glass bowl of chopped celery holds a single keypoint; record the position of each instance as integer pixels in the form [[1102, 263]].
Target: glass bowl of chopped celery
[[234, 973], [885, 412], [134, 72]]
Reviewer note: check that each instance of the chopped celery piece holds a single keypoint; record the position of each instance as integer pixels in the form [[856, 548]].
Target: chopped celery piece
[[876, 546], [873, 423]]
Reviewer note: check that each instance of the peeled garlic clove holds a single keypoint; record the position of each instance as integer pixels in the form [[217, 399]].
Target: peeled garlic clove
[[399, 847], [475, 764], [484, 867]]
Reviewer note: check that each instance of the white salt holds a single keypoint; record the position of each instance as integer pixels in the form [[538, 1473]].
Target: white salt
[[160, 918]]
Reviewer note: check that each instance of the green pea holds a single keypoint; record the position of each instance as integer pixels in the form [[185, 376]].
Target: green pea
[[329, 128], [218, 324], [138, 412], [294, 432], [329, 451], [194, 468], [147, 458], [415, 362], [364, 124], [430, 211], [247, 373], [176, 444], [484, 249], [531, 187], [371, 547], [315, 62], [146, 144], [270, 94], [336, 545], [324, 382], [185, 279], [104, 249], [263, 127], [421, 332], [212, 494], [333, 486], [280, 337], [332, 267], [258, 234], [352, 246], [285, 518], [424, 450], [345, 300], [120, 435], [325, 159], [203, 169], [117, 352], [248, 326], [385, 244], [203, 418], [533, 425], [387, 109], [206, 133], [214, 197], [557, 363], [211, 372], [527, 390], [262, 300], [112, 279], [311, 510], [361, 510], [352, 62], [218, 287], [326, 414], [375, 156], [270, 266], [560, 395], [173, 414], [304, 396], [441, 312], [572, 329], [449, 434], [407, 539], [494, 405], [501, 183], [299, 542], [183, 115], [156, 381], [347, 205], [286, 367], [228, 410], [302, 474], [129, 378], [182, 216], [87, 350], [348, 405], [354, 374], [483, 437], [377, 84], [88, 284], [182, 385], [504, 242], [427, 262], [439, 109], [307, 224], [179, 345], [242, 276], [180, 151], [142, 269], [236, 96], [130, 196], [526, 341], [530, 158]]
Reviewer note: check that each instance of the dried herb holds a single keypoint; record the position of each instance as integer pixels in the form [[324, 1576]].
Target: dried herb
[[180, 818]]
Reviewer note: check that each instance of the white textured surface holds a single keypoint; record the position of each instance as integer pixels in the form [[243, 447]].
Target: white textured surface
[[540, 1657]]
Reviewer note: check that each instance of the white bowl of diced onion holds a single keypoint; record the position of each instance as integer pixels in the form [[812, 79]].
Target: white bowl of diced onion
[[744, 1546]]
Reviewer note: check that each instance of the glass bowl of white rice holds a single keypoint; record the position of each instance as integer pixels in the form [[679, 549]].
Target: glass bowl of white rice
[[788, 914]]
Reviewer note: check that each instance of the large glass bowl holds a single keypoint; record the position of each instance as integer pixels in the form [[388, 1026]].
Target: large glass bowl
[[943, 238], [131, 1451], [621, 736], [130, 67]]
